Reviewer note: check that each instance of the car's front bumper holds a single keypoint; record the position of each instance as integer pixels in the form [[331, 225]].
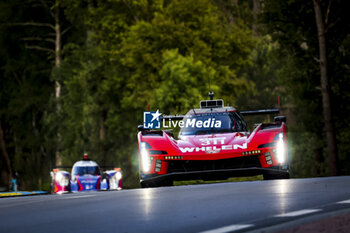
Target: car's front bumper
[[221, 174]]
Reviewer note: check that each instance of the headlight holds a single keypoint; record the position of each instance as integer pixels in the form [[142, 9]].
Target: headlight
[[59, 177], [62, 179], [118, 175], [114, 180], [144, 157], [280, 149]]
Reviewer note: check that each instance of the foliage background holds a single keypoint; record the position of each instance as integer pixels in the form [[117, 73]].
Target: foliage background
[[121, 56]]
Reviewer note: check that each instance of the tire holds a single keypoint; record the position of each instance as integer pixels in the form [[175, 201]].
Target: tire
[[52, 187], [276, 177]]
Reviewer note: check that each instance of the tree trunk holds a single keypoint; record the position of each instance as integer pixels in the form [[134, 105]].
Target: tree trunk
[[256, 8], [326, 92], [102, 129], [4, 152], [102, 139], [57, 66], [57, 47]]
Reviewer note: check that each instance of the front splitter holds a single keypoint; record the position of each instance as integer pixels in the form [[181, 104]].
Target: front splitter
[[214, 174]]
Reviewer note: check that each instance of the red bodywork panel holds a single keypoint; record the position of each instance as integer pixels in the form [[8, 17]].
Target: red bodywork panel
[[213, 147]]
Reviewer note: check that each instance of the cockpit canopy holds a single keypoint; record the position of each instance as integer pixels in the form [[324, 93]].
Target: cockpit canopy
[[86, 168], [212, 121]]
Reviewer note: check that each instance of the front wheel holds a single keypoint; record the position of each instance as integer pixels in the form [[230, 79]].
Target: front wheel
[[52, 184]]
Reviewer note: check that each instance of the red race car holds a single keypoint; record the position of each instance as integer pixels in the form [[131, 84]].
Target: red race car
[[213, 143]]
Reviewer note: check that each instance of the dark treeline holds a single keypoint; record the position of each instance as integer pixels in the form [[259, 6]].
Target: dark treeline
[[76, 76]]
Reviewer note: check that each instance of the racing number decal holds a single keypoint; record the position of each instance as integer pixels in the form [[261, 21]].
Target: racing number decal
[[215, 141], [218, 145]]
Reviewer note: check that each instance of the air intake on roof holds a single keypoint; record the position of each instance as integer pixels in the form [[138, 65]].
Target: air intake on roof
[[212, 103]]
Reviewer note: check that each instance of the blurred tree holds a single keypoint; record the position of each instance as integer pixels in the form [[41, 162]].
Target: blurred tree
[[5, 154], [88, 104], [289, 22], [185, 82], [31, 42], [24, 92], [322, 26], [191, 27], [139, 58]]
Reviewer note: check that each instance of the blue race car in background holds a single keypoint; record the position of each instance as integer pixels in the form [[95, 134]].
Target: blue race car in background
[[86, 176]]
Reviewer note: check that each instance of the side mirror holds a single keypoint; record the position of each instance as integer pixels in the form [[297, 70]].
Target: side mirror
[[140, 128], [280, 119]]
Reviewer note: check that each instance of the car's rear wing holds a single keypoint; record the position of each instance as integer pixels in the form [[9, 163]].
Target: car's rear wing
[[277, 119], [103, 167], [61, 168], [261, 112]]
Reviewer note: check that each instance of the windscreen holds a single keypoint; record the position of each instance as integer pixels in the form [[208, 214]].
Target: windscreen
[[86, 170], [229, 122]]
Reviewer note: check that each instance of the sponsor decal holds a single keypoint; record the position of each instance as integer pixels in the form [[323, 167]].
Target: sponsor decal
[[194, 123], [88, 181], [213, 149], [219, 145]]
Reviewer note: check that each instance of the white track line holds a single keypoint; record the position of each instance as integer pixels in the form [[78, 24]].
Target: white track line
[[344, 202], [298, 213], [75, 197], [228, 228]]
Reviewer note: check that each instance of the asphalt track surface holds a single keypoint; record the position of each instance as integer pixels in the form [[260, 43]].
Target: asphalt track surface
[[222, 207]]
